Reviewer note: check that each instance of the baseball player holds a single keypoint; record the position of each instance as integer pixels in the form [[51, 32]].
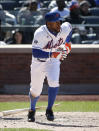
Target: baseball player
[[50, 45]]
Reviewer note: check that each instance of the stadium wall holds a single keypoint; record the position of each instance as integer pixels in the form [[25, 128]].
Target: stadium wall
[[79, 72]]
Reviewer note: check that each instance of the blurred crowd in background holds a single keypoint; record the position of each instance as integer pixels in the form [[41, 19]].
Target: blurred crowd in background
[[20, 18]]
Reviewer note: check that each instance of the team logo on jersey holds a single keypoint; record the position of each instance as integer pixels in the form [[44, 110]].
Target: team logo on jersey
[[35, 41], [50, 44]]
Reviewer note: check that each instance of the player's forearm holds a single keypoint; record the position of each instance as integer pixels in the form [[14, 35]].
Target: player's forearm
[[37, 53], [68, 43], [68, 47]]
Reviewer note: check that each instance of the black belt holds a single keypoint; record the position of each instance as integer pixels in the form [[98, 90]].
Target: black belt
[[41, 60]]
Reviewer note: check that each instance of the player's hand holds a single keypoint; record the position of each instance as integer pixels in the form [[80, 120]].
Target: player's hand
[[62, 52], [59, 55], [64, 55], [65, 47]]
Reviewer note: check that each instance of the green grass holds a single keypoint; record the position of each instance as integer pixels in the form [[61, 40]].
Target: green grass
[[20, 129], [68, 106]]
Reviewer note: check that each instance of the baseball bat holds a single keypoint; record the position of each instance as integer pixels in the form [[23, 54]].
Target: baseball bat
[[16, 111]]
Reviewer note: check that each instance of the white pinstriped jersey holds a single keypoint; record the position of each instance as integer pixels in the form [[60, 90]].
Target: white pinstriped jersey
[[46, 41], [47, 67]]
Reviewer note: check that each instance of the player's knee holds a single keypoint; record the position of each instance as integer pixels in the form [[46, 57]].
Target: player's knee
[[35, 93], [54, 84]]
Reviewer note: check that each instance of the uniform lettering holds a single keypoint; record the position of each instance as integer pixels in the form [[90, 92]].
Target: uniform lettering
[[50, 44]]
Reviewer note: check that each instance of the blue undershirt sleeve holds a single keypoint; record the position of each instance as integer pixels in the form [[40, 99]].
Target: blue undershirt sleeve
[[37, 53], [68, 37]]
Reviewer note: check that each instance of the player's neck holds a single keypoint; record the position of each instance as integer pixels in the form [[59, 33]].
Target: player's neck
[[52, 32]]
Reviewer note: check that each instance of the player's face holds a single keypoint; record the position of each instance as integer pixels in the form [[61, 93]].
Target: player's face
[[54, 26]]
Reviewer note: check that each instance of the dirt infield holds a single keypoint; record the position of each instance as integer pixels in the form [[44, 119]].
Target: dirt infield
[[5, 98], [64, 121]]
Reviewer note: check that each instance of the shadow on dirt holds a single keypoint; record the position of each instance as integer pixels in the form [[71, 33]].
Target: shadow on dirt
[[12, 119], [62, 125]]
